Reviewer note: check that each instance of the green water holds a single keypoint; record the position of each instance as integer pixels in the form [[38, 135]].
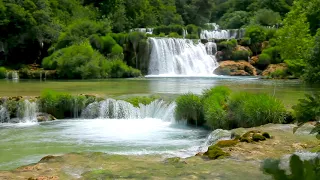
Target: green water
[[22, 144], [287, 90]]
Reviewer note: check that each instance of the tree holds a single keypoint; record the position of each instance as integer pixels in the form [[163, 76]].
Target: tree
[[266, 17], [257, 35], [312, 70], [294, 39], [234, 20]]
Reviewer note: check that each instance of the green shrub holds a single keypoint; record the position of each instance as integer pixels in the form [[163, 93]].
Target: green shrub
[[3, 72], [108, 44], [279, 74], [96, 42], [135, 101], [162, 35], [264, 61], [240, 55], [62, 105], [257, 35], [270, 33], [169, 29], [250, 110], [266, 17], [230, 44], [116, 49], [174, 35], [307, 169], [119, 69], [120, 38], [246, 41], [273, 52], [190, 108], [193, 29], [308, 109], [214, 106], [234, 19], [192, 36]]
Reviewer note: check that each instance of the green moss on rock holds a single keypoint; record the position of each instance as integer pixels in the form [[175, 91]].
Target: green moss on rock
[[227, 143], [215, 152], [266, 135], [258, 137]]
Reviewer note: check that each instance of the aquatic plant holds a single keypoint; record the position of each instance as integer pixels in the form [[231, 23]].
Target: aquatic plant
[[190, 108]]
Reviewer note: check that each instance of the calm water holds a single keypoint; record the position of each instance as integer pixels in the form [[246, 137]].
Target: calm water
[[22, 144]]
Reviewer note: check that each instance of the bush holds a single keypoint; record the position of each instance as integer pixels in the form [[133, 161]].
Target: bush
[[174, 35], [266, 17], [240, 55], [62, 105], [193, 29], [257, 35], [118, 69], [214, 102], [250, 110], [192, 36], [116, 50], [307, 169], [308, 109], [169, 29], [234, 20], [245, 41], [190, 108], [264, 61], [108, 44], [82, 62], [279, 74], [274, 55], [3, 72]]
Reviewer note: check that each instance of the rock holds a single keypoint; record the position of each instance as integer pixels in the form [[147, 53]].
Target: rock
[[258, 137], [253, 60], [226, 143], [214, 152], [276, 68], [199, 154], [239, 68], [266, 135], [41, 117], [216, 135], [299, 146]]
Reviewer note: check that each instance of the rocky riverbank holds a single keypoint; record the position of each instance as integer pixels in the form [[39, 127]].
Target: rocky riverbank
[[244, 160]]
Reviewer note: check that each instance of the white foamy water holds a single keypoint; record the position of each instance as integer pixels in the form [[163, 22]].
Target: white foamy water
[[172, 56]]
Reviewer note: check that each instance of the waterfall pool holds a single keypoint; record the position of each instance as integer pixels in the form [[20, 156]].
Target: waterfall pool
[[26, 143]]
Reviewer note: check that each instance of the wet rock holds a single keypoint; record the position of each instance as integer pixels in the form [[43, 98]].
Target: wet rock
[[299, 146], [41, 117], [254, 136], [258, 137], [227, 143], [253, 60], [239, 68]]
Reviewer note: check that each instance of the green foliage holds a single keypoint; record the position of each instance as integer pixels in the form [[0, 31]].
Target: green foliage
[[234, 20], [174, 35], [193, 29], [116, 49], [169, 29], [312, 69], [240, 55], [62, 105], [228, 47], [82, 62], [279, 74], [192, 36], [308, 109], [266, 17], [294, 40], [145, 100], [251, 110], [214, 102], [274, 55], [190, 108], [3, 72], [257, 35], [307, 169], [264, 61]]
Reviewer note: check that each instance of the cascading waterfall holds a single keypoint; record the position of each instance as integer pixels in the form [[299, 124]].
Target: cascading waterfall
[[27, 111], [171, 56], [12, 75], [4, 114], [118, 109], [215, 34]]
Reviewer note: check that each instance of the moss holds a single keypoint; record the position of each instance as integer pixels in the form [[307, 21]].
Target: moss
[[316, 149], [246, 139], [215, 152], [227, 143], [258, 137], [250, 133], [173, 160], [266, 135]]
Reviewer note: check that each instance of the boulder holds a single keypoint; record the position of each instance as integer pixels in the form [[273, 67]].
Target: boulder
[[239, 68], [41, 117], [276, 70], [253, 60]]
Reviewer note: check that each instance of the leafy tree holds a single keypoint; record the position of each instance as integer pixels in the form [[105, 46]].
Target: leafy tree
[[234, 20], [294, 39], [257, 35], [312, 70], [266, 17]]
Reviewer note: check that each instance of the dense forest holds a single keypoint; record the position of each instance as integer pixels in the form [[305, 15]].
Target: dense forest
[[92, 38]]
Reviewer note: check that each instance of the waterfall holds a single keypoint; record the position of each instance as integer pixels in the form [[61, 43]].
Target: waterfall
[[12, 75], [4, 114], [179, 57], [211, 48], [118, 109], [215, 34], [27, 111]]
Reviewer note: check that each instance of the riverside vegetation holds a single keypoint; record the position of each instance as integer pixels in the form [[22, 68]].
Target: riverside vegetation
[[94, 38]]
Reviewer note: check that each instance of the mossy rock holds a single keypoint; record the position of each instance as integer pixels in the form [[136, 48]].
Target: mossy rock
[[227, 143], [214, 152], [316, 149], [246, 139], [258, 137], [172, 160], [266, 135], [250, 133]]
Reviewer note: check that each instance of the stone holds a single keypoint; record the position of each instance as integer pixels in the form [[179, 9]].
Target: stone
[[214, 152], [233, 68], [253, 60], [272, 68], [41, 117]]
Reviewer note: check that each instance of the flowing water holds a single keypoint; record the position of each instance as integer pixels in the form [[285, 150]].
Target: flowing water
[[117, 127], [171, 56]]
